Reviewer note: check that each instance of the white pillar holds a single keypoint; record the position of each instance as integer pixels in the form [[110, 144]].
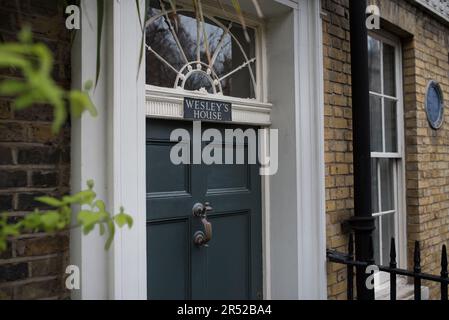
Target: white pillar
[[110, 149]]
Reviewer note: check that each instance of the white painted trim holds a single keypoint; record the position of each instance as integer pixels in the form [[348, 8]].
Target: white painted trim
[[128, 152], [289, 3], [88, 159], [400, 177], [167, 103], [111, 150], [266, 235], [310, 152], [402, 184]]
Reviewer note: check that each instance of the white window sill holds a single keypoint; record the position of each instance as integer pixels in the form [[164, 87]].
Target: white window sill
[[404, 290]]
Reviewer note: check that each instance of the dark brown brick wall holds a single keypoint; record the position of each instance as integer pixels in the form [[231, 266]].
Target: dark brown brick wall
[[33, 162]]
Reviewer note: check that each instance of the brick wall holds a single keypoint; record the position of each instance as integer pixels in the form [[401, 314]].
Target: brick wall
[[425, 46], [425, 58], [33, 162], [337, 134]]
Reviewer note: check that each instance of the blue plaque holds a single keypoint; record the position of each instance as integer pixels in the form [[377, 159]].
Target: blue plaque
[[434, 105]]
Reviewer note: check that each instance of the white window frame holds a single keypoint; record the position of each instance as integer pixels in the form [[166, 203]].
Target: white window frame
[[399, 167]]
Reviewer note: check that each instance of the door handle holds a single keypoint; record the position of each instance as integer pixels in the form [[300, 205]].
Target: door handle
[[201, 238]]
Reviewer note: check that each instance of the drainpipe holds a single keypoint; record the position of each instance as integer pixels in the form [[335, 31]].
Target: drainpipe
[[362, 223]]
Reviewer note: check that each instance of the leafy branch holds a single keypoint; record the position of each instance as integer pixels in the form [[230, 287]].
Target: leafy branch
[[93, 213], [35, 62]]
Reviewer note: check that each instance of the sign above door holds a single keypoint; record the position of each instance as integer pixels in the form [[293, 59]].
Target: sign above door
[[207, 110]]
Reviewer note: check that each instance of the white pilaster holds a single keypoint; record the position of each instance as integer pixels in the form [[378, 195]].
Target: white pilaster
[[110, 149]]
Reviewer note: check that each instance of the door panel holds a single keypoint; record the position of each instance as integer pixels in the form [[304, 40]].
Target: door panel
[[228, 178], [168, 275], [176, 178], [229, 262], [231, 266]]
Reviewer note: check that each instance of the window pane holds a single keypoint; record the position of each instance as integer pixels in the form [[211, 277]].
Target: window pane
[[376, 123], [374, 186], [387, 233], [374, 65], [199, 81], [391, 137], [231, 49], [387, 184], [376, 240], [239, 84], [389, 70], [161, 40]]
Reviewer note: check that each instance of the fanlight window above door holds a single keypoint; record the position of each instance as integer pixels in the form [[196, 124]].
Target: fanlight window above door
[[212, 56]]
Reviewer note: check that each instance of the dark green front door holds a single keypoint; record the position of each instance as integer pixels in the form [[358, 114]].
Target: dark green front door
[[231, 266]]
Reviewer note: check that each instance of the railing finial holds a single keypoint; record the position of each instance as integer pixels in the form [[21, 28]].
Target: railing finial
[[393, 263], [417, 258], [444, 273]]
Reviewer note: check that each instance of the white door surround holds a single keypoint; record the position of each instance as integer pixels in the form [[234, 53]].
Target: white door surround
[[111, 150]]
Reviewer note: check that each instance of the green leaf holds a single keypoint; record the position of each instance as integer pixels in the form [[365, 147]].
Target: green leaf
[[60, 116], [25, 34], [10, 231], [142, 44], [238, 10], [111, 228], [100, 16], [50, 201], [46, 58], [50, 221], [12, 87], [32, 221], [90, 106], [88, 229], [8, 59], [88, 85], [3, 243], [88, 220], [139, 13], [123, 219], [120, 219], [85, 197], [102, 229], [100, 205], [90, 184], [26, 100]]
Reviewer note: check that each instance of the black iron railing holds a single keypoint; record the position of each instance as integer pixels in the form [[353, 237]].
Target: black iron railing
[[348, 260]]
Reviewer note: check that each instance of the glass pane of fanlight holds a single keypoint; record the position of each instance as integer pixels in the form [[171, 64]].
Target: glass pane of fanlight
[[219, 50], [199, 80], [232, 57]]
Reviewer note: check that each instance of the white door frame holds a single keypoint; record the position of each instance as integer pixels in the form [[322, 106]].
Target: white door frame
[[110, 150]]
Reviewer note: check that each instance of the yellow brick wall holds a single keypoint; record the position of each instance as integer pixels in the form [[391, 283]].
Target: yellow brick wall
[[425, 42], [337, 135]]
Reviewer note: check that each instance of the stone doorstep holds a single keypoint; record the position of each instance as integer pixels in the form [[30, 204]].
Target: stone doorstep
[[404, 290]]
